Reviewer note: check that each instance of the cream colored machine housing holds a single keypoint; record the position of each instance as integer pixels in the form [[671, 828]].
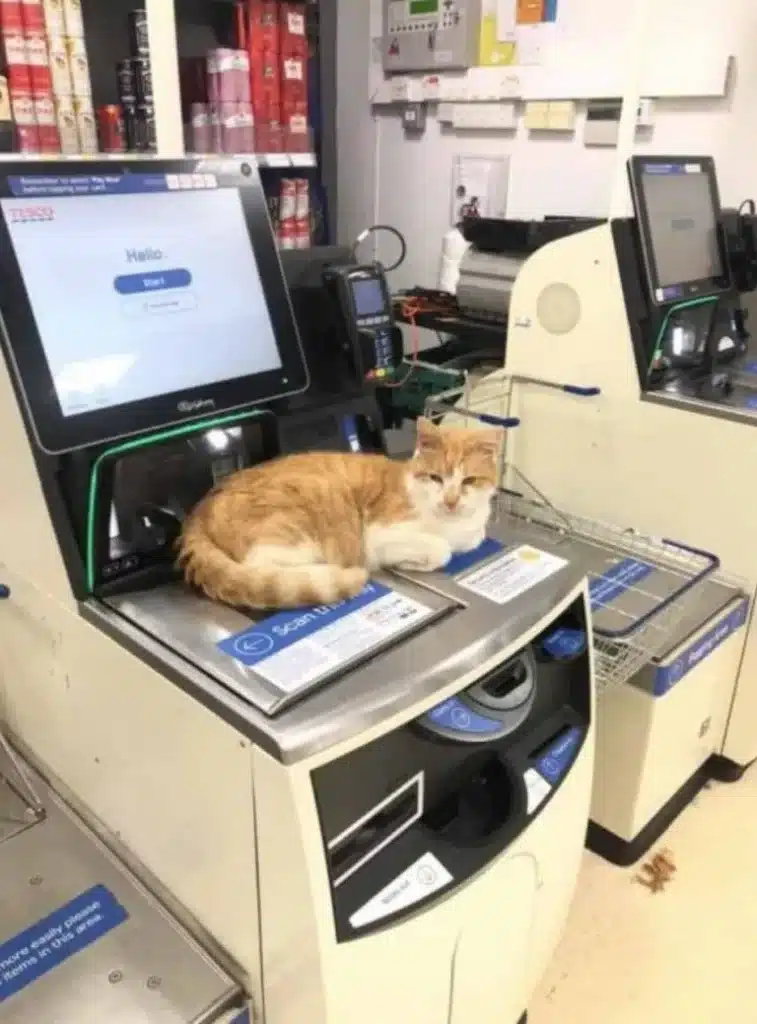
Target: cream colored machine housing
[[231, 834], [635, 461]]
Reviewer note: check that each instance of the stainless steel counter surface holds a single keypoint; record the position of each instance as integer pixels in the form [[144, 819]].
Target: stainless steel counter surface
[[176, 631]]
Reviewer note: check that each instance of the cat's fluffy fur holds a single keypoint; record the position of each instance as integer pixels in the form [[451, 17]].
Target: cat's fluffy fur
[[308, 529]]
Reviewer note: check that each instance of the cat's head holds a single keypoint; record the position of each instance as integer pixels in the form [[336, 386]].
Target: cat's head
[[454, 470]]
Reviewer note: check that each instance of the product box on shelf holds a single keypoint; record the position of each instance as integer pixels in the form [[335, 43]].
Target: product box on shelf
[[39, 65], [60, 69], [79, 65], [55, 21], [264, 26], [67, 129], [269, 137], [266, 87], [86, 125], [11, 18], [292, 29], [72, 18], [47, 124], [110, 128], [33, 16], [139, 43], [228, 76]]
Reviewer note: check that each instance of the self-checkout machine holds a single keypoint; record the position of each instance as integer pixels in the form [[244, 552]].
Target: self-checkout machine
[[371, 810], [642, 308]]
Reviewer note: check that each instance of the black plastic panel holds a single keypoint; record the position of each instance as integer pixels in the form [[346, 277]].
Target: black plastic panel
[[475, 796]]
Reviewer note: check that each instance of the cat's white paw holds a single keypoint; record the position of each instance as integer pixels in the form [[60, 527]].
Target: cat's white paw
[[430, 554], [468, 542]]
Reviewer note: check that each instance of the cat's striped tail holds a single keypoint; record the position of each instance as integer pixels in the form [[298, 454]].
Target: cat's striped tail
[[221, 578]]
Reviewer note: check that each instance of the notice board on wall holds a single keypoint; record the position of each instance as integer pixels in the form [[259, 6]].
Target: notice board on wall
[[571, 49]]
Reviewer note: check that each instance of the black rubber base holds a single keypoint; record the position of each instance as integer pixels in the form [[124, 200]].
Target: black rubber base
[[624, 852]]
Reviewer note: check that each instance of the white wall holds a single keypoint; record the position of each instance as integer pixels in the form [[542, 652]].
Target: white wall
[[387, 177]]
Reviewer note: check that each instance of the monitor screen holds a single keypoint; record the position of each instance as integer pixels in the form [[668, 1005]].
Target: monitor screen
[[138, 294], [369, 297], [678, 209], [140, 287]]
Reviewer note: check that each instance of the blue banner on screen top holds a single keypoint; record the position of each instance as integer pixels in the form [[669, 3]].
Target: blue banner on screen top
[[36, 186], [669, 168]]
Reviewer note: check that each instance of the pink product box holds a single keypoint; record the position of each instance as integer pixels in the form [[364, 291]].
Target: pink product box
[[228, 76]]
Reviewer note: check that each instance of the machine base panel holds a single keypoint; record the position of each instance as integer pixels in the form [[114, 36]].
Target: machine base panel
[[82, 942], [623, 852]]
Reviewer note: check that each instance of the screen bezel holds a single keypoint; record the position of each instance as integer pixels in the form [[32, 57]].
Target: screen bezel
[[680, 291], [56, 433]]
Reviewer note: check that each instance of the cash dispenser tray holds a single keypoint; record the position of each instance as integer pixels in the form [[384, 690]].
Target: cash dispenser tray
[[273, 661]]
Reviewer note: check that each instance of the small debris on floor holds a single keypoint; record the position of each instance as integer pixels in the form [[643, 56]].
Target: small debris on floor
[[657, 872]]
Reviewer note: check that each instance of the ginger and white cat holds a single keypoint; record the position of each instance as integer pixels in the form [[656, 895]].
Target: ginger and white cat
[[308, 529]]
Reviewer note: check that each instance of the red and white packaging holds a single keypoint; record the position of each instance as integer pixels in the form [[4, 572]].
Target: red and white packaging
[[27, 138], [266, 88], [287, 234], [39, 65], [73, 18], [11, 18], [60, 69], [287, 200], [228, 76], [200, 134], [231, 128], [33, 16], [292, 29], [302, 209], [55, 21], [294, 82], [66, 118], [302, 233], [264, 26], [269, 137], [248, 128], [78, 65], [47, 124], [23, 110], [19, 72]]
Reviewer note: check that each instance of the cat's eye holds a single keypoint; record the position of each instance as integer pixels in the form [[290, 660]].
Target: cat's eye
[[469, 481], [435, 478]]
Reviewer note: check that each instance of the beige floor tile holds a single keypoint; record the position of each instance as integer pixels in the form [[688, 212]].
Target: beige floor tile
[[687, 955]]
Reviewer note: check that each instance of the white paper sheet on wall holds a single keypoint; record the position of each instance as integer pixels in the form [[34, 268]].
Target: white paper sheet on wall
[[506, 20], [479, 187]]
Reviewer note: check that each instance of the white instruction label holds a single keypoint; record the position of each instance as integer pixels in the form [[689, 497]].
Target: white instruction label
[[293, 649], [421, 879], [511, 574], [537, 790]]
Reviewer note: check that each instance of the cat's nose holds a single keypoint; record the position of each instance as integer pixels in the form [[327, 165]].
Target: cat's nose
[[451, 500]]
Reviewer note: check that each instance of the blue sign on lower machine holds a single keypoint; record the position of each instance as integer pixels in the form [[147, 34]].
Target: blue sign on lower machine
[[668, 676], [48, 943], [454, 715], [555, 763]]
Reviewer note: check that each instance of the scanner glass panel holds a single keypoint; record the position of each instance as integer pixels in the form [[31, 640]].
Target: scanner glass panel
[[141, 286], [682, 222]]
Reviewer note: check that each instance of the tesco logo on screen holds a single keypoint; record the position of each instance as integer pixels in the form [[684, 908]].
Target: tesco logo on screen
[[29, 214]]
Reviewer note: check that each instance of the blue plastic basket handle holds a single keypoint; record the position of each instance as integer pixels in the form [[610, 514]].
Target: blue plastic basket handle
[[582, 392], [496, 421]]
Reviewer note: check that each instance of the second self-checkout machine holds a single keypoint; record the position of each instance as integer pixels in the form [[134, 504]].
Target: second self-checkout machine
[[376, 810], [643, 309]]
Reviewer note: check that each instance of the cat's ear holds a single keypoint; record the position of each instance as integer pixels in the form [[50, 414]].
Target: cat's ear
[[489, 441], [427, 433]]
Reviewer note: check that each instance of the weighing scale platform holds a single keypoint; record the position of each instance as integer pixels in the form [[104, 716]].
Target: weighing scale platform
[[81, 942]]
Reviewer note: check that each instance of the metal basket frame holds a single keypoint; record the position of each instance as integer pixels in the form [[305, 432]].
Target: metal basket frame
[[620, 651]]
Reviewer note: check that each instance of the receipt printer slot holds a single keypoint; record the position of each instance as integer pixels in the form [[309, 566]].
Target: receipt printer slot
[[375, 830]]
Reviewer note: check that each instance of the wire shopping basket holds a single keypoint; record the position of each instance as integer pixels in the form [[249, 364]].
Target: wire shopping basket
[[640, 587]]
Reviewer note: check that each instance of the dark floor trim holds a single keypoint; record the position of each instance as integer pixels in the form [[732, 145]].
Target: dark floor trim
[[624, 853]]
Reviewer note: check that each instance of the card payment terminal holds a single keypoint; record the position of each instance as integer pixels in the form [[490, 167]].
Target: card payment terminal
[[374, 342]]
